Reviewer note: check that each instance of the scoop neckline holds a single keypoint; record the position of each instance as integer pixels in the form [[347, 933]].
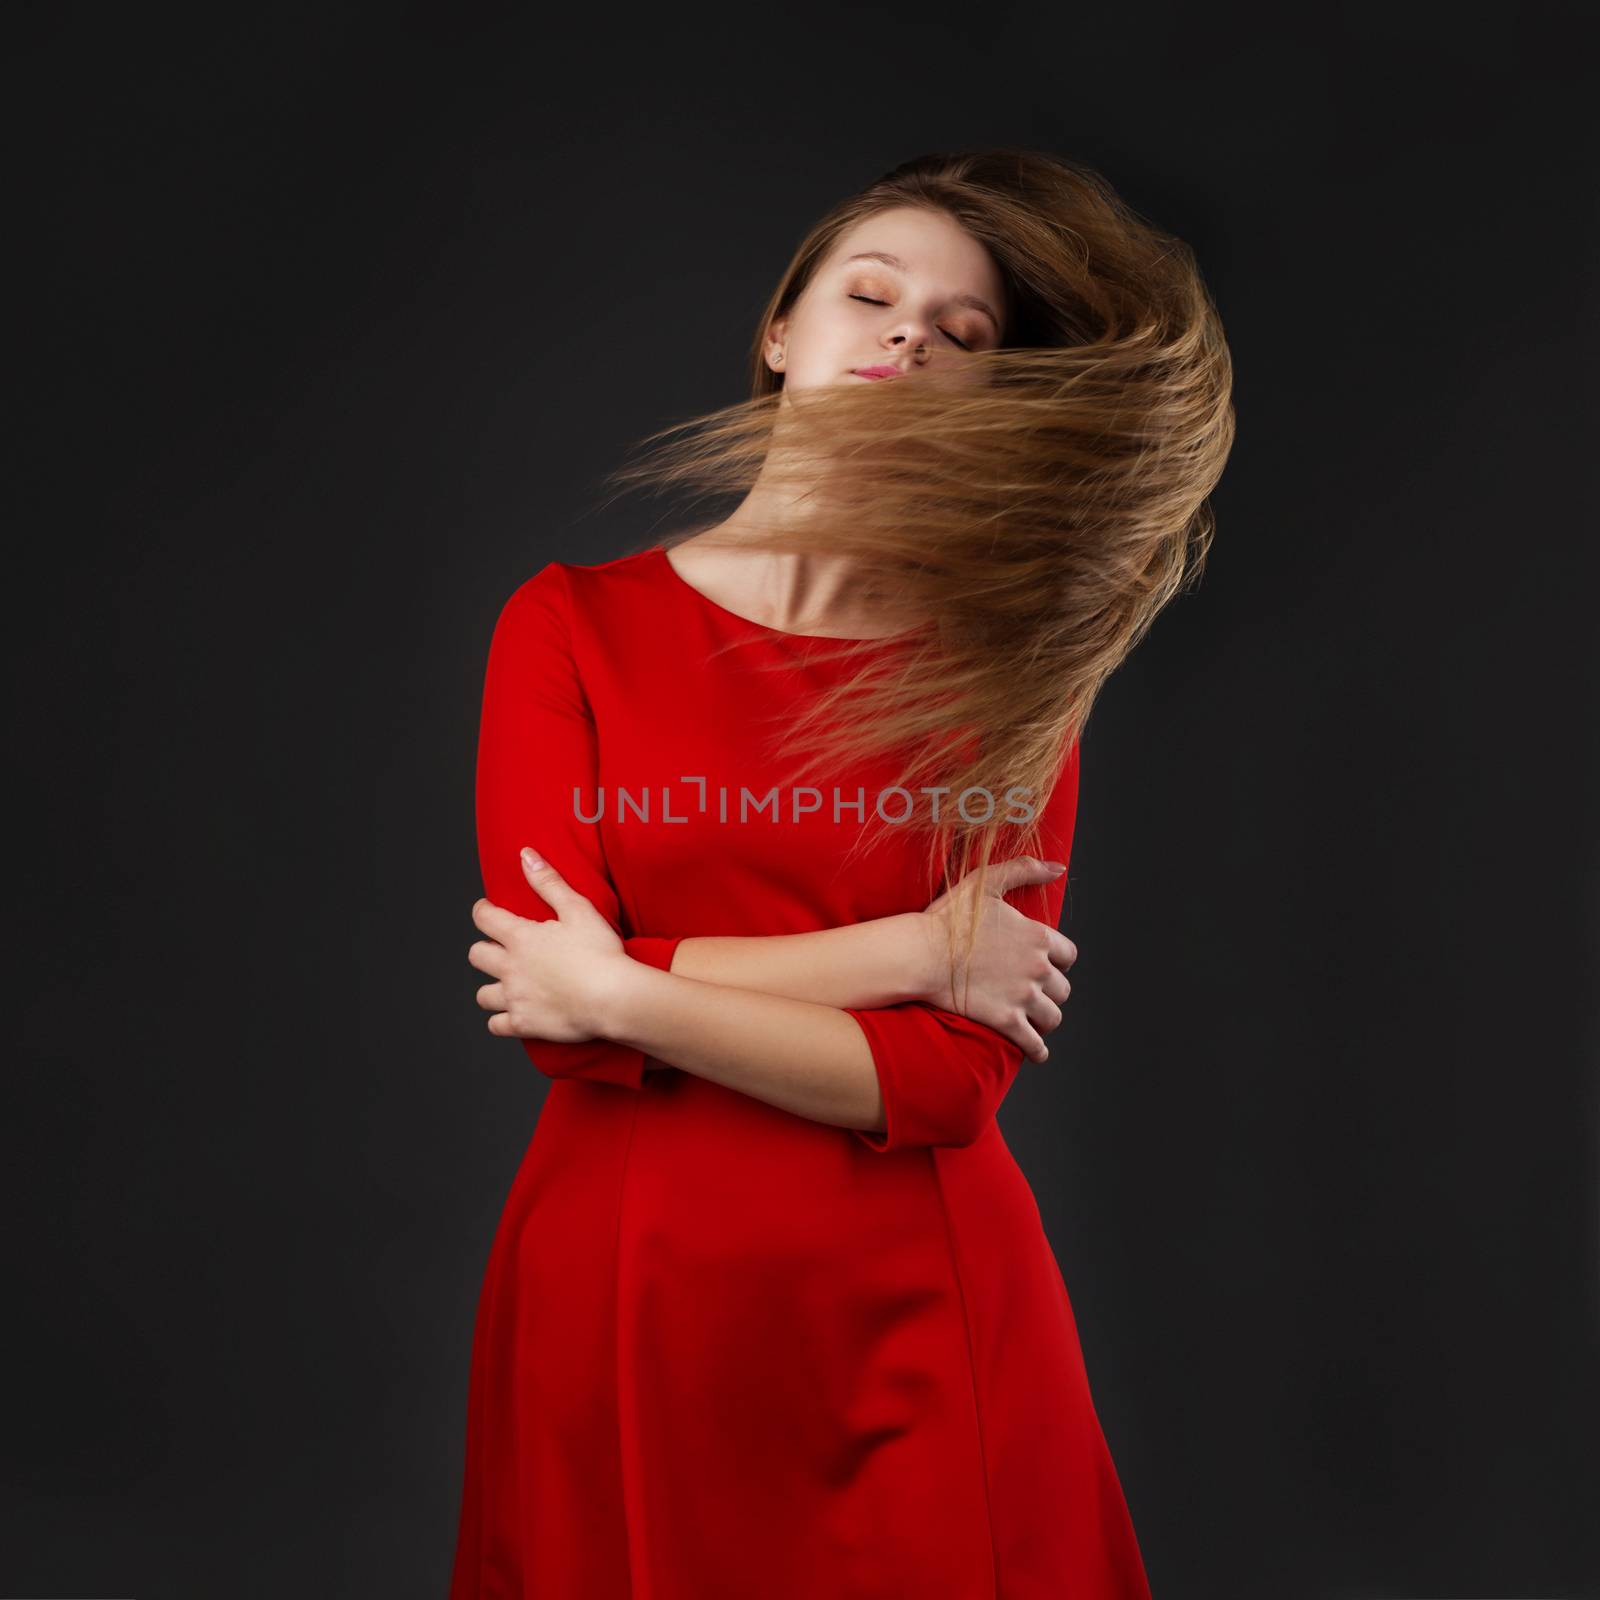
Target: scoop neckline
[[677, 577]]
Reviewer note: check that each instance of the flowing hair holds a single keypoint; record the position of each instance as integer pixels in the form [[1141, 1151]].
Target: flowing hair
[[1039, 502]]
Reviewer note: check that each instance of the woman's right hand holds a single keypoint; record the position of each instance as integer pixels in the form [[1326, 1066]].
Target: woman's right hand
[[1016, 979]]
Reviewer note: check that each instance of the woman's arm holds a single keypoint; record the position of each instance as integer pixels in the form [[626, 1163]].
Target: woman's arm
[[895, 959], [899, 1076], [536, 744], [813, 1060], [883, 962], [876, 963]]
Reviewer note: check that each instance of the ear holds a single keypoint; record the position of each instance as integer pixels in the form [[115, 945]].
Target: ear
[[777, 337]]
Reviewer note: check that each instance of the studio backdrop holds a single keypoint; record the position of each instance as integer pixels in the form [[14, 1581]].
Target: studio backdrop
[[337, 327]]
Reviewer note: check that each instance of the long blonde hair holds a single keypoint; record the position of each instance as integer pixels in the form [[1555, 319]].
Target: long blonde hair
[[1039, 502]]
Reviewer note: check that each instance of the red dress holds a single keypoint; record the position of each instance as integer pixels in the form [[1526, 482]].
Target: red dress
[[725, 1352]]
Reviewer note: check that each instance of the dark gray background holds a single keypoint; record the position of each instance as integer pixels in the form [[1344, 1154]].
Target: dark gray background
[[338, 324]]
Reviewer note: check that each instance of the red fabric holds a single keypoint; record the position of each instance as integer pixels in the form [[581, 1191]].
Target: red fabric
[[723, 1350]]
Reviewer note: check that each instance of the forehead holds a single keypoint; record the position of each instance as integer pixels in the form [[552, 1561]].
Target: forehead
[[930, 240]]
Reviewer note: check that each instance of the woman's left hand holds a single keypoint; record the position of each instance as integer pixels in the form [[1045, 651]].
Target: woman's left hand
[[552, 976]]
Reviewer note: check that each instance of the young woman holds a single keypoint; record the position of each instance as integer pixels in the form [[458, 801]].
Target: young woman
[[771, 1311]]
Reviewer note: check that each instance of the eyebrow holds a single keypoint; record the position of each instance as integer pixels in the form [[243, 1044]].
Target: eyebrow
[[894, 261]]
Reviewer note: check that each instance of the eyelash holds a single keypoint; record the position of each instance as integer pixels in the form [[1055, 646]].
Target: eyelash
[[871, 302]]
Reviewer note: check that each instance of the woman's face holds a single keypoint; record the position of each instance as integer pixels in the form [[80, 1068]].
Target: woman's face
[[936, 300]]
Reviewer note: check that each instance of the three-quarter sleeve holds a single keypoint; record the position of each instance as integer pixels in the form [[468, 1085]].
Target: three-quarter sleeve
[[536, 747], [943, 1075]]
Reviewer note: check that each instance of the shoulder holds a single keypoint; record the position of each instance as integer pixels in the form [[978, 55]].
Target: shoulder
[[578, 609], [572, 587], [590, 601], [539, 604]]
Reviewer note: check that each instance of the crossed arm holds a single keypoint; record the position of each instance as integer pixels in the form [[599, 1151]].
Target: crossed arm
[[877, 963], [767, 1014], [834, 1025]]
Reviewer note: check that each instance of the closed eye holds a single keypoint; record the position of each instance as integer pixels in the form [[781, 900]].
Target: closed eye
[[871, 302]]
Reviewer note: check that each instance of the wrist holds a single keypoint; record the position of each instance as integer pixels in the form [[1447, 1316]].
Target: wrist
[[608, 1005], [924, 955]]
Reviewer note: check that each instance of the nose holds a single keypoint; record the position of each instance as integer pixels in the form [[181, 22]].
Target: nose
[[911, 335]]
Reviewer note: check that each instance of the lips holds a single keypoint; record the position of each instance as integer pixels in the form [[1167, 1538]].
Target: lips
[[878, 372]]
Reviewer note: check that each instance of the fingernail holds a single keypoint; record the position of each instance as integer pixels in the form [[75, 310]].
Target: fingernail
[[532, 859]]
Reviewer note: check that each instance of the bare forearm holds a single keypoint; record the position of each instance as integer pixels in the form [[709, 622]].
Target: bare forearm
[[806, 1058], [877, 963]]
